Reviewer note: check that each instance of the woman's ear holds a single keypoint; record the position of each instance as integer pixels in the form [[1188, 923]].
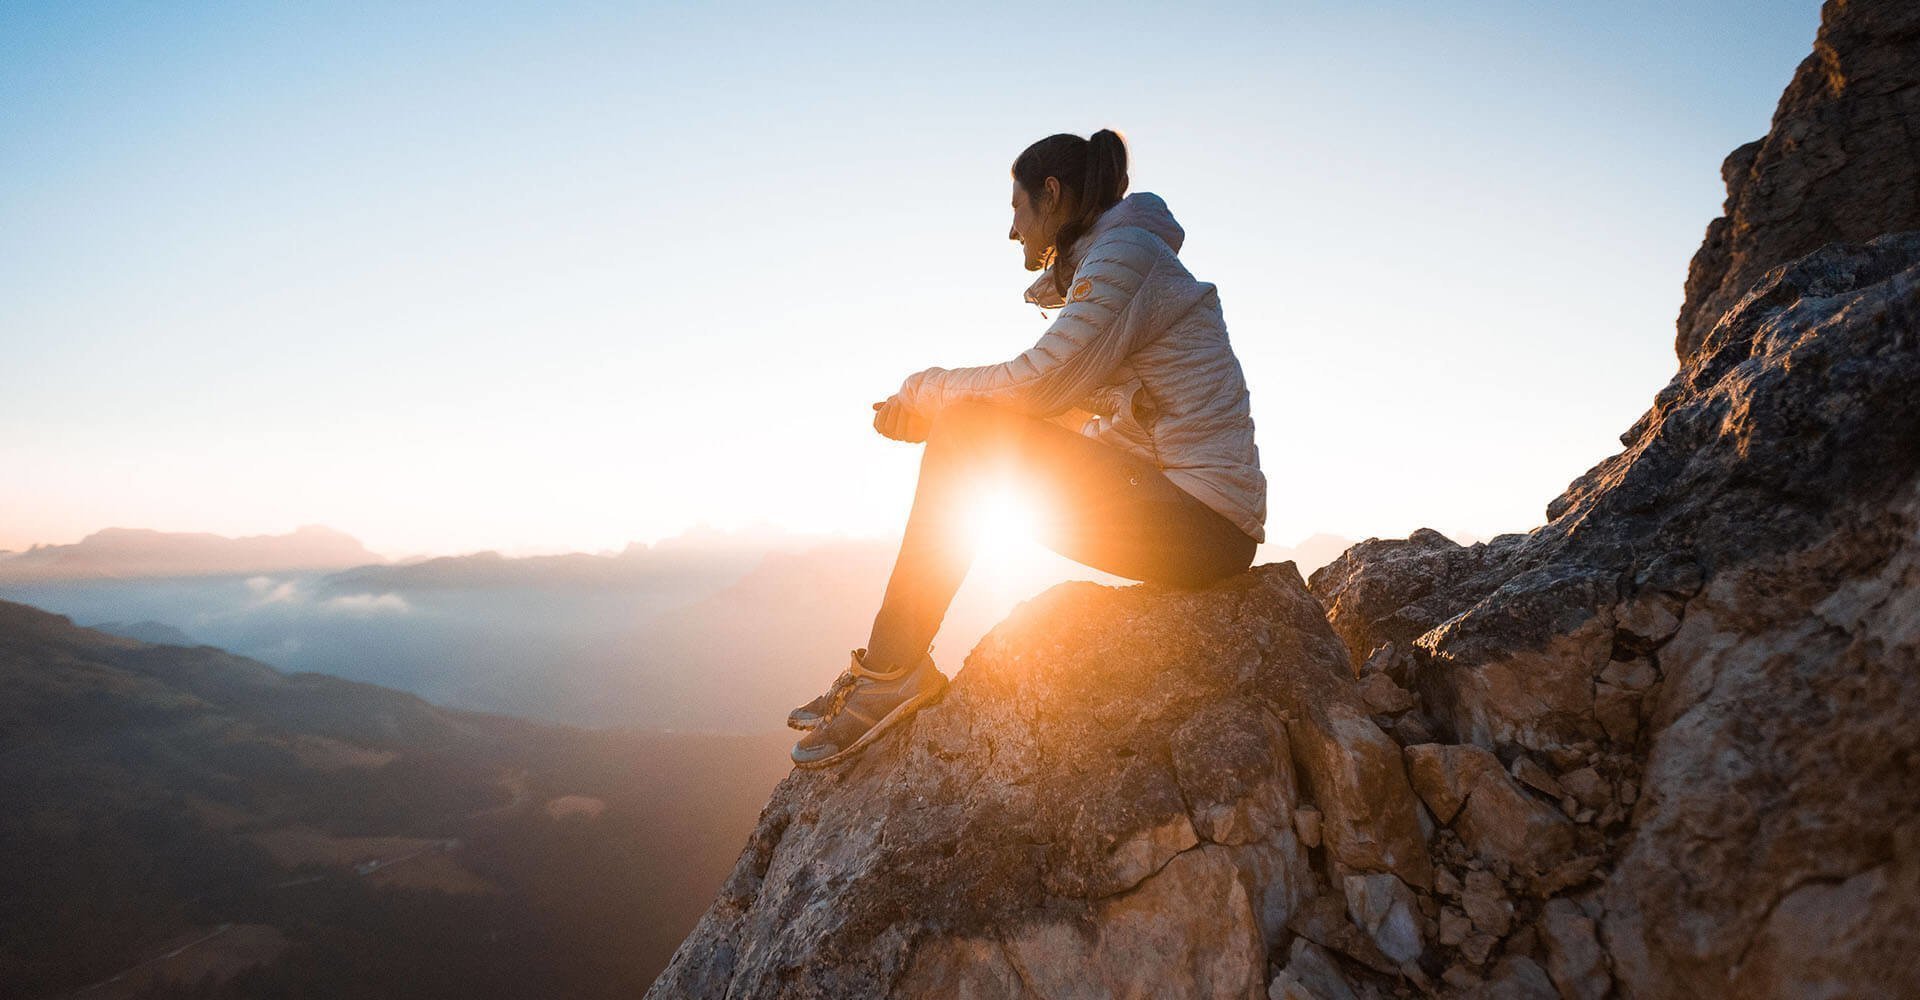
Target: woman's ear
[[1053, 197]]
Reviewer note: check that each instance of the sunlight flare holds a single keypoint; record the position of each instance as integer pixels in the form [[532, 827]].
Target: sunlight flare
[[1004, 523]]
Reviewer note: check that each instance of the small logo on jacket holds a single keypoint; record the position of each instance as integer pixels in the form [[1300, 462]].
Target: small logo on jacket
[[1081, 289]]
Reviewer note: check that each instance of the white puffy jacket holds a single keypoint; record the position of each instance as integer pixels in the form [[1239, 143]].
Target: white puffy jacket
[[1142, 344]]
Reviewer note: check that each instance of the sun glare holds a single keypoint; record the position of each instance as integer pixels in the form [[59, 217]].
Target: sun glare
[[1004, 524]]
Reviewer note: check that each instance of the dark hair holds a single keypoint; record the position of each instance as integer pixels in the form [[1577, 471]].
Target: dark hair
[[1093, 178]]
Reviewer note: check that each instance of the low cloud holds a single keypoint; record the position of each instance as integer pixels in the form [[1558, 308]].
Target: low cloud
[[263, 591], [267, 590], [368, 604]]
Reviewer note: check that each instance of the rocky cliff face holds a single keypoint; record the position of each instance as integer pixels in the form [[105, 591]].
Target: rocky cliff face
[[1707, 659], [1841, 162], [1662, 745]]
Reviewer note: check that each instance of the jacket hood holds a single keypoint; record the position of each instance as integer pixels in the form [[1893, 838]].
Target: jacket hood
[[1143, 209]]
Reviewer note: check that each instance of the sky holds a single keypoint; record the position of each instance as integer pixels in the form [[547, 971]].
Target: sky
[[562, 276]]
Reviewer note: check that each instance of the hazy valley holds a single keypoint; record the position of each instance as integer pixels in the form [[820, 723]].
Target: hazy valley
[[629, 639]]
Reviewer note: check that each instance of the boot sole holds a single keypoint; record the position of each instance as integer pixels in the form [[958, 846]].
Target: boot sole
[[887, 721]]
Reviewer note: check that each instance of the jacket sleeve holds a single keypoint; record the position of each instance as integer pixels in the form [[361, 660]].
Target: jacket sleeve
[[1099, 327]]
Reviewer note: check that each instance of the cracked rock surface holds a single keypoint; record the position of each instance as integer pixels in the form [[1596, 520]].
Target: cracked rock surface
[[1102, 804]]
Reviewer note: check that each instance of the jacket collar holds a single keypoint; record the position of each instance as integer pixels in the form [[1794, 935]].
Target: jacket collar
[[1042, 293], [1142, 208]]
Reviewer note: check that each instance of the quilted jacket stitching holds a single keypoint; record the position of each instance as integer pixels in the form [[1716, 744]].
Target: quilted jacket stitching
[[1202, 433], [1069, 364]]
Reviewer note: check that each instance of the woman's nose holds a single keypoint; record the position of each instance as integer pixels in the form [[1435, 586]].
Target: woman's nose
[[1012, 233]]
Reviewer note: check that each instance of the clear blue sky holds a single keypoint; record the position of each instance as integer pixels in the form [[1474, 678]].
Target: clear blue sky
[[564, 276]]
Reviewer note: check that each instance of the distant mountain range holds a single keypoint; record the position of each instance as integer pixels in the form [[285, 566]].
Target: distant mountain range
[[143, 553], [170, 813], [127, 553], [630, 638]]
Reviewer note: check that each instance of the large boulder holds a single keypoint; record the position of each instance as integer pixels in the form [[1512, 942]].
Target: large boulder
[[1103, 804]]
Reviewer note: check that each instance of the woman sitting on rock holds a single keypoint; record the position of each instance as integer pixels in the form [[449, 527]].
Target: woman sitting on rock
[[1128, 422]]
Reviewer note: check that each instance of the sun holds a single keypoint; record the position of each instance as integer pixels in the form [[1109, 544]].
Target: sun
[[1003, 522]]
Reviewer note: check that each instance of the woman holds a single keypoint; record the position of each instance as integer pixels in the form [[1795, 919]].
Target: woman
[[1160, 482]]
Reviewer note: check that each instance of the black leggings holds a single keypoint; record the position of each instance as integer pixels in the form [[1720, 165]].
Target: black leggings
[[1102, 507]]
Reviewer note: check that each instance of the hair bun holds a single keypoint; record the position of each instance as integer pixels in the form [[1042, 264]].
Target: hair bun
[[1092, 173]]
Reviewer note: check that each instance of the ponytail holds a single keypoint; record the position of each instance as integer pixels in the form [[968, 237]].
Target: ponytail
[[1093, 177]]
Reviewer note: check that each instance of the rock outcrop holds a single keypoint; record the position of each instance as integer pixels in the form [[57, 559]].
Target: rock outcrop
[[1690, 693], [1106, 802], [1841, 162], [1662, 745]]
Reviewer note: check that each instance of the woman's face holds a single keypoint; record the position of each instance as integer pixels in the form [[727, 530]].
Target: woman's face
[[1034, 225]]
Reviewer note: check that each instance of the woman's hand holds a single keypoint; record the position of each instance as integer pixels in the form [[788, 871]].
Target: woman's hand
[[893, 419]]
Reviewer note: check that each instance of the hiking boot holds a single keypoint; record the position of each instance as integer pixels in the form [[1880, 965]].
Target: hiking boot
[[873, 703], [817, 711]]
